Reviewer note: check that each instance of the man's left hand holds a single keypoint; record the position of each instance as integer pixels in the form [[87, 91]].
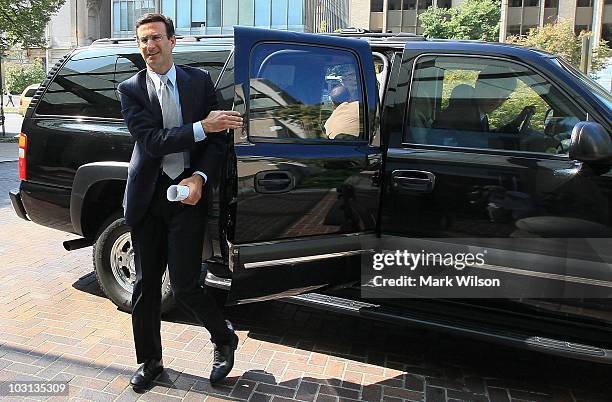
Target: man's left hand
[[194, 183]]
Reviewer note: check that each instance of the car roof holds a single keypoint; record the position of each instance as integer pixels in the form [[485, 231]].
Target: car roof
[[397, 41]]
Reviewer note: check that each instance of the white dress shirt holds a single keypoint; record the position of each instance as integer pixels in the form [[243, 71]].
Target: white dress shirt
[[198, 130]]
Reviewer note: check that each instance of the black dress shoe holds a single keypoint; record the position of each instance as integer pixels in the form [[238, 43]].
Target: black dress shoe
[[146, 373], [223, 360]]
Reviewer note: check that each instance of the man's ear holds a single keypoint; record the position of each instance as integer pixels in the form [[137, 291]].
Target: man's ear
[[173, 41]]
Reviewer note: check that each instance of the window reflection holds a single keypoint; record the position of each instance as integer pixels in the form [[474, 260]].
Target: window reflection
[[303, 92], [83, 87]]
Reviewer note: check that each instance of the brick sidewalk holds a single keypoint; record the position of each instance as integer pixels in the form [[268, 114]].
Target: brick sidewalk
[[56, 325]]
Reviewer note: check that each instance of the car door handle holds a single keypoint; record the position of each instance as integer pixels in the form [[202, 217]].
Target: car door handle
[[274, 181], [413, 180]]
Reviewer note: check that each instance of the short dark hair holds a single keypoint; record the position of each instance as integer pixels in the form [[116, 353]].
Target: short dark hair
[[156, 17], [339, 94]]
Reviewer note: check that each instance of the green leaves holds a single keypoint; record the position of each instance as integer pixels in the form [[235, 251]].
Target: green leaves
[[24, 22], [473, 19], [560, 39], [19, 76]]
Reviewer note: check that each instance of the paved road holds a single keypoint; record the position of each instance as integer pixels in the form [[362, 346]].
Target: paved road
[[12, 124], [9, 151], [56, 324]]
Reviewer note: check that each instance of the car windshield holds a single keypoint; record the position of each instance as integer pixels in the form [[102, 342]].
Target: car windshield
[[600, 92]]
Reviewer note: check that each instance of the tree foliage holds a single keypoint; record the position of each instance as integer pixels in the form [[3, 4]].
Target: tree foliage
[[19, 76], [560, 39], [472, 19], [23, 22]]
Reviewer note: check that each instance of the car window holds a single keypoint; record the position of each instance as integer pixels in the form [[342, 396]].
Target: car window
[[488, 103], [30, 92], [600, 92], [303, 92], [211, 61], [83, 87]]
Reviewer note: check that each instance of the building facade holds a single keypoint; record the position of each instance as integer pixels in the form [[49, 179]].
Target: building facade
[[77, 23], [393, 15], [518, 16], [206, 17]]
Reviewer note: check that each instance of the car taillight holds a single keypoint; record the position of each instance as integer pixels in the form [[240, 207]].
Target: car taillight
[[23, 146], [20, 102]]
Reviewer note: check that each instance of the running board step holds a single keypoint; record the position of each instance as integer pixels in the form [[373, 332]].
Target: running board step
[[489, 333]]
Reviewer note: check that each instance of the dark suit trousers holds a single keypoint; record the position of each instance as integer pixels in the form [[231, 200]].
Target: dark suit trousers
[[171, 233]]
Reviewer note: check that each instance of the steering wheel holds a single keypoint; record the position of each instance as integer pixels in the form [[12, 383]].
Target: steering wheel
[[524, 124]]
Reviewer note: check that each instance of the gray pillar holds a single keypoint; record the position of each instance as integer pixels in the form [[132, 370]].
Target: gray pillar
[[598, 9], [385, 11], [503, 23], [567, 10]]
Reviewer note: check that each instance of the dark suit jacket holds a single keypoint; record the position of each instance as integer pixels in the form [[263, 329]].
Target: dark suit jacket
[[142, 113]]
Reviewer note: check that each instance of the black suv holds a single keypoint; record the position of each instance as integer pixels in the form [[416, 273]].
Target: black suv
[[301, 210]]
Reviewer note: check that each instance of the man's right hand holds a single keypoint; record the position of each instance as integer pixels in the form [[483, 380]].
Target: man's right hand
[[219, 120]]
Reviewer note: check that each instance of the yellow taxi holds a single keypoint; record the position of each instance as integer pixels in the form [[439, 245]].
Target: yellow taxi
[[26, 97]]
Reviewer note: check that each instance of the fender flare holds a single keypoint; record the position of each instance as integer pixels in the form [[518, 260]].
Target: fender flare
[[86, 176]]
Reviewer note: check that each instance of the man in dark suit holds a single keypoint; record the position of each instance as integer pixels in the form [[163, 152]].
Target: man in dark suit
[[169, 110]]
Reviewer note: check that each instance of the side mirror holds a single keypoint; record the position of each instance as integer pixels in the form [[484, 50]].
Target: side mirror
[[591, 143]]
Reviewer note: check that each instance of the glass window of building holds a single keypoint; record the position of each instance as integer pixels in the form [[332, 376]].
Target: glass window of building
[[183, 16], [230, 15], [424, 4], [198, 14], [246, 13], [515, 3], [514, 30], [168, 8], [130, 11], [532, 3], [376, 6], [581, 28], [213, 16], [262, 13], [279, 14], [116, 18], [551, 3], [295, 18], [584, 3], [394, 4], [193, 17], [606, 33], [445, 3], [409, 4], [124, 16]]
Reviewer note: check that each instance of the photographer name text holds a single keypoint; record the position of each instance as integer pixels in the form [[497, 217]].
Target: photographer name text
[[433, 281]]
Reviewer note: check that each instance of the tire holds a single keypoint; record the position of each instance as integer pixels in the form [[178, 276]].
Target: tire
[[113, 260]]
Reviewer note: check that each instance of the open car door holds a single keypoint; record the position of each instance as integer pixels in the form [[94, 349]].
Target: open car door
[[306, 192]]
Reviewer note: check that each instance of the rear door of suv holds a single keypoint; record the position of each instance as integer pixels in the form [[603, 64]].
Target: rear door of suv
[[304, 198]]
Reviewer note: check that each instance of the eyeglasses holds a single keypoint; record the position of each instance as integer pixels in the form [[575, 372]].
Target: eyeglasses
[[145, 39]]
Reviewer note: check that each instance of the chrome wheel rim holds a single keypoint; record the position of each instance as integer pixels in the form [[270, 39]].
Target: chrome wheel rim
[[122, 262]]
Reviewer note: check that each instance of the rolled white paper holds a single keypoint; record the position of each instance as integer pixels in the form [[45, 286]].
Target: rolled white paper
[[177, 192]]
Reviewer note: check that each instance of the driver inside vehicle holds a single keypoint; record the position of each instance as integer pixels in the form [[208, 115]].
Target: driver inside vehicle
[[469, 108], [493, 87]]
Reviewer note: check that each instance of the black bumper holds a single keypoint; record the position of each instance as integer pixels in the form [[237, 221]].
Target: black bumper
[[18, 205]]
